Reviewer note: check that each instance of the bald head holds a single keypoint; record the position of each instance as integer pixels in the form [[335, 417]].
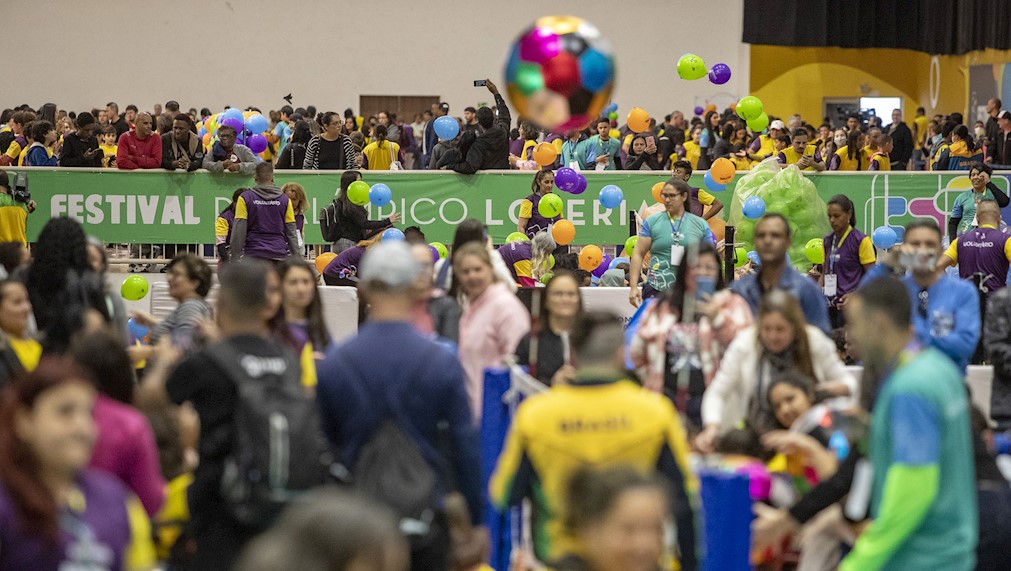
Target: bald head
[[144, 124], [988, 212]]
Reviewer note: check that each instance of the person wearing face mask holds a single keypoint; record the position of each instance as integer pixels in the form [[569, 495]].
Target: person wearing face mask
[[779, 341], [963, 212], [942, 144], [835, 141], [945, 308], [850, 155], [679, 344], [849, 253]]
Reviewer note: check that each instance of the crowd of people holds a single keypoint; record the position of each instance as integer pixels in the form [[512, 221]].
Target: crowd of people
[[214, 440], [302, 138]]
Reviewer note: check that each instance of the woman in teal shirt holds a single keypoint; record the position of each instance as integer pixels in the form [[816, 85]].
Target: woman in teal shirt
[[963, 213], [665, 235]]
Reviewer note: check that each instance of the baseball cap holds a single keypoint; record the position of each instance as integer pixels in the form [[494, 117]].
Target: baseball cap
[[1004, 115], [389, 263], [777, 124]]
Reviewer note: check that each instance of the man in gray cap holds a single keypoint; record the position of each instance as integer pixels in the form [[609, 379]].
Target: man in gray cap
[[389, 394]]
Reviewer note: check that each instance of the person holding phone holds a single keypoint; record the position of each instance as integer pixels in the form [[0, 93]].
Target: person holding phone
[[678, 347], [642, 154]]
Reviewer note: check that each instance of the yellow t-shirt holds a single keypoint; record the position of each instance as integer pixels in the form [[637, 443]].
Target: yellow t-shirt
[[741, 164], [692, 153], [921, 128], [173, 515], [14, 150], [110, 153], [848, 164], [29, 351], [380, 159], [13, 220], [881, 160], [705, 198]]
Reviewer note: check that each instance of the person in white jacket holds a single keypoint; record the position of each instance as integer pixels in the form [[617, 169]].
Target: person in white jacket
[[779, 341]]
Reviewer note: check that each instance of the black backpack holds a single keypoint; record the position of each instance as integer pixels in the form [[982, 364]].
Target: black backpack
[[278, 449]]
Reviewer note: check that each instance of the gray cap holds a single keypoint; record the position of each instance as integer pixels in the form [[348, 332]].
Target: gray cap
[[389, 263]]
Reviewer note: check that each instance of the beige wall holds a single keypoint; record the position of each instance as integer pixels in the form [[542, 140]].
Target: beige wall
[[253, 52]]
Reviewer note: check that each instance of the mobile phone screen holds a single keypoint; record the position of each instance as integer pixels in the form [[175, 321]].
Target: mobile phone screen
[[480, 82]]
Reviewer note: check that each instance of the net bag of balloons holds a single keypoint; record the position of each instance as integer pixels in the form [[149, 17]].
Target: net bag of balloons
[[787, 192]]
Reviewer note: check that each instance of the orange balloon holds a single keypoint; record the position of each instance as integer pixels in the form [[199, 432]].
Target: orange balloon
[[323, 260], [563, 232], [545, 154], [590, 257], [711, 107], [657, 189], [719, 228], [207, 139], [722, 170], [638, 120]]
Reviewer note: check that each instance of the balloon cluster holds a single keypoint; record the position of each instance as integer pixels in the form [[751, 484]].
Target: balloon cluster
[[691, 67], [768, 188], [719, 174], [560, 73], [751, 110], [249, 128], [360, 194], [570, 180], [592, 259]]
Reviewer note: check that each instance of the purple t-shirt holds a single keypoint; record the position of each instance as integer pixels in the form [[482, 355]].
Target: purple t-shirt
[[93, 539], [981, 256], [345, 265], [266, 234], [538, 223], [846, 265]]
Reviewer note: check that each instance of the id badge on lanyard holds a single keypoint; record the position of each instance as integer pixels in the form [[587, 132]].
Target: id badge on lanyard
[[830, 280], [677, 251]]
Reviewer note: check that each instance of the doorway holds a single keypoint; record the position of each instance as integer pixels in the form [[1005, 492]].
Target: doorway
[[405, 106]]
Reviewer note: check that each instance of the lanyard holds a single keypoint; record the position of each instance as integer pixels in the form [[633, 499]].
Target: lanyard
[[675, 232], [832, 252]]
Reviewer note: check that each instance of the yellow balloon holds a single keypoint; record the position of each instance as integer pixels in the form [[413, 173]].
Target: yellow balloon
[[614, 133]]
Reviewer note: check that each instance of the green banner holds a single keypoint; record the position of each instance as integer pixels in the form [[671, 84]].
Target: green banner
[[172, 207]]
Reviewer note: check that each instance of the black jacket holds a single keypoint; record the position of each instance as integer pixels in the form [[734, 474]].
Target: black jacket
[[352, 224], [902, 144], [193, 149], [999, 150], [491, 148], [997, 342], [72, 154], [292, 157]]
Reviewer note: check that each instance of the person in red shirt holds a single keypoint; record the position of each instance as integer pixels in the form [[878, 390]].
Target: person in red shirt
[[139, 149]]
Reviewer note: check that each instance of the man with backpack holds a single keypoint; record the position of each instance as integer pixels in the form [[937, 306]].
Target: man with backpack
[[400, 419], [260, 438]]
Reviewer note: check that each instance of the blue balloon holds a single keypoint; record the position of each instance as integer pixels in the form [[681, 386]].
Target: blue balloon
[[754, 259], [884, 237], [137, 331], [614, 263], [201, 132], [754, 207], [393, 234], [256, 123], [711, 183], [232, 113], [611, 108], [447, 128], [611, 196], [380, 195]]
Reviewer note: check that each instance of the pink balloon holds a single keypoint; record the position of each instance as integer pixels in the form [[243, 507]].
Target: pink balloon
[[540, 45]]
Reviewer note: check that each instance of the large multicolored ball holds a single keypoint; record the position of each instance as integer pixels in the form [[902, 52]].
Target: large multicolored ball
[[560, 73]]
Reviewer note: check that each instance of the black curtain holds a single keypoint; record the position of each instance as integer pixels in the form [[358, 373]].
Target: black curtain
[[933, 26]]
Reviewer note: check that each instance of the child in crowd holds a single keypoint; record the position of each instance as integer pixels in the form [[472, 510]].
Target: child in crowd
[[107, 142], [782, 142]]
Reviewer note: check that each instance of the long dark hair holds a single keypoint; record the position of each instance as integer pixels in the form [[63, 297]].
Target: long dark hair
[[853, 147], [344, 204], [19, 468], [301, 134], [963, 133], [319, 336], [707, 126], [379, 135], [104, 356], [844, 202]]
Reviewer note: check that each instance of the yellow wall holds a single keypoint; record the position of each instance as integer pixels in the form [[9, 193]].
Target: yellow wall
[[795, 80]]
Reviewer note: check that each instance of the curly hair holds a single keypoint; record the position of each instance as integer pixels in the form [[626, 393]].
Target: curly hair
[[61, 247]]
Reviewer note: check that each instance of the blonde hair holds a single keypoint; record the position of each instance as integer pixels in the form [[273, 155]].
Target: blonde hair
[[541, 247]]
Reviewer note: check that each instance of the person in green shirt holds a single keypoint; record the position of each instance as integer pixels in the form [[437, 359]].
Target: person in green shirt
[[599, 152], [665, 235], [963, 212], [921, 471]]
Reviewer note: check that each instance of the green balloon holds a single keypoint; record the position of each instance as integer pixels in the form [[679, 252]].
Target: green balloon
[[440, 248], [749, 107], [358, 193], [612, 115], [134, 288], [529, 78], [691, 67], [759, 124], [815, 251], [517, 237], [550, 205], [740, 257], [630, 245]]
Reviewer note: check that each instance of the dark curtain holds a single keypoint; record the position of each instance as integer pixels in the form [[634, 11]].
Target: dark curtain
[[933, 26]]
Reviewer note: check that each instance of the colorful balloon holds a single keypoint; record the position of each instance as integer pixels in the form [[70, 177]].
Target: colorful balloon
[[754, 259], [615, 262], [138, 333], [759, 124], [440, 248], [723, 170], [740, 257], [711, 184], [358, 193], [517, 237], [719, 74], [545, 154], [605, 263], [323, 260], [550, 205], [699, 110], [638, 120], [232, 113], [256, 143], [564, 232], [754, 207], [393, 234], [580, 184], [657, 190], [749, 107], [884, 237], [691, 67], [380, 194], [134, 288], [630, 245], [560, 73], [565, 178], [234, 123], [447, 128], [611, 196], [590, 257], [814, 250], [256, 123]]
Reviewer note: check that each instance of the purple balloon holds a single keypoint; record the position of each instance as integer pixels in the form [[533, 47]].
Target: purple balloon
[[540, 45], [699, 110], [719, 73], [599, 271], [435, 254], [234, 123], [565, 178], [256, 143], [580, 184]]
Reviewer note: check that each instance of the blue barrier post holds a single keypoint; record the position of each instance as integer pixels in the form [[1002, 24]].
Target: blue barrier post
[[726, 508], [495, 419]]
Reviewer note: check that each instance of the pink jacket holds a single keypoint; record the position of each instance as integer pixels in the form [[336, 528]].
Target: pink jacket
[[126, 449], [490, 329]]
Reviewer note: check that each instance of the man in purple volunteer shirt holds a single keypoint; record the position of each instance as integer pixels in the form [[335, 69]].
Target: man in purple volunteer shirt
[[983, 254], [264, 220]]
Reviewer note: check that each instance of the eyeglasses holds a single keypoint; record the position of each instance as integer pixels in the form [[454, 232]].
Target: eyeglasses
[[923, 297]]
